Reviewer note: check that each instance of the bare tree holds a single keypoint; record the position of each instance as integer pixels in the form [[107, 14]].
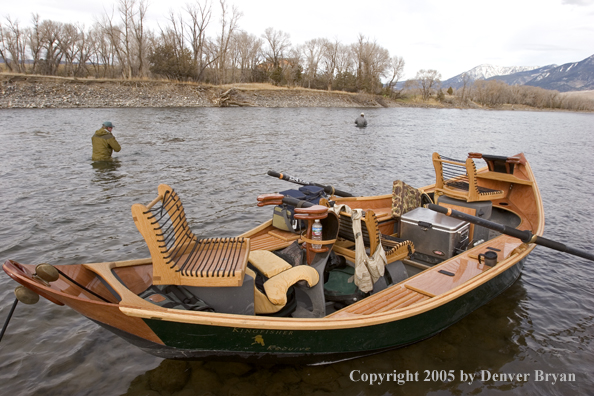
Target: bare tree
[[128, 40], [67, 42], [428, 81], [50, 43], [140, 36], [229, 21], [13, 45], [330, 55], [34, 42], [112, 49], [312, 51], [126, 9], [397, 72], [466, 82], [371, 61], [247, 50], [278, 43], [292, 71], [199, 19]]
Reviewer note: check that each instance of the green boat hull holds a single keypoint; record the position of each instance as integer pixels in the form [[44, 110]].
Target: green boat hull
[[203, 342]]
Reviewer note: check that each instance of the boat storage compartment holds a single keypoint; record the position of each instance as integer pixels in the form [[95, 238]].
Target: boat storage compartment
[[436, 236]]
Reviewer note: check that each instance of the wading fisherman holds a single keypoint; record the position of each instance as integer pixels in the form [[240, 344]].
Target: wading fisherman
[[361, 121], [104, 143]]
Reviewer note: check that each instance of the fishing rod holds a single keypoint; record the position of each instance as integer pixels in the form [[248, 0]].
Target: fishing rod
[[328, 189], [523, 235]]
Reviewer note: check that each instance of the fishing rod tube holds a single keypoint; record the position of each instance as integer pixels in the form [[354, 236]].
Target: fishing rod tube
[[327, 189]]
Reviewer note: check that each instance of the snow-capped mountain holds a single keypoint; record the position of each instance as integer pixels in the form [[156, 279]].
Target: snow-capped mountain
[[483, 72], [575, 76], [524, 77]]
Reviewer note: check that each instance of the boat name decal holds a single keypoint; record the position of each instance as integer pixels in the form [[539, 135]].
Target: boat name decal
[[287, 349], [259, 331]]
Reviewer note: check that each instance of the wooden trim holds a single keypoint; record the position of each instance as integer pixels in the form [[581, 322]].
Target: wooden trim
[[129, 299], [413, 288], [415, 264], [284, 235], [505, 177]]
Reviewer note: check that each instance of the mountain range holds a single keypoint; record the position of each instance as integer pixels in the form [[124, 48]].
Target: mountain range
[[575, 76]]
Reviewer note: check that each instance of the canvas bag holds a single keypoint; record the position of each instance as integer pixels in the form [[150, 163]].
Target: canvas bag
[[283, 215], [173, 296], [404, 198]]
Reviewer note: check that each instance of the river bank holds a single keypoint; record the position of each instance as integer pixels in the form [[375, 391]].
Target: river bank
[[33, 91]]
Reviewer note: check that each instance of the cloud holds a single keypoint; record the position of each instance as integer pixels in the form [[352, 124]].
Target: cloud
[[578, 2]]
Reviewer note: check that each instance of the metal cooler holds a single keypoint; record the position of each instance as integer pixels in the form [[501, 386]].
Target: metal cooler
[[434, 234]]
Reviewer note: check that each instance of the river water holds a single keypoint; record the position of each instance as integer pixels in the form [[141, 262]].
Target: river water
[[59, 208]]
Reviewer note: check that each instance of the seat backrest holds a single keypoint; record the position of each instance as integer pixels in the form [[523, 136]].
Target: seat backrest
[[457, 179], [179, 257], [369, 229], [164, 227]]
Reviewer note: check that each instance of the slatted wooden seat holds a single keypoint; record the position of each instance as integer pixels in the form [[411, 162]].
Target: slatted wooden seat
[[179, 257], [458, 179], [395, 249]]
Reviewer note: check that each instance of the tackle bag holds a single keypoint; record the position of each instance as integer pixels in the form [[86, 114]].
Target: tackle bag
[[283, 215], [173, 296]]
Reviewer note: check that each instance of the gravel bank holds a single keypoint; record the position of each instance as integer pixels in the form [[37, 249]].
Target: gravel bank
[[25, 91]]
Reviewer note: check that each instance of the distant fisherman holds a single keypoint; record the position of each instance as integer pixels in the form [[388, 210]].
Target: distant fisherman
[[104, 143], [361, 121]]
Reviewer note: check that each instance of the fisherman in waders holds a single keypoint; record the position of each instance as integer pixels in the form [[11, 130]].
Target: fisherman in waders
[[361, 121], [104, 143]]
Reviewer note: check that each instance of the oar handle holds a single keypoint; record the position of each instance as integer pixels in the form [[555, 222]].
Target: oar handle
[[562, 247], [328, 189], [523, 235], [277, 199]]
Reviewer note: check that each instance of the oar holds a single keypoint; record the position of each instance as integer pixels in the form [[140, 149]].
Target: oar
[[523, 235], [8, 319], [328, 189]]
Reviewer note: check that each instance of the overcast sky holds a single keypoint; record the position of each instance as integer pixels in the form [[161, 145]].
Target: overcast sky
[[450, 36]]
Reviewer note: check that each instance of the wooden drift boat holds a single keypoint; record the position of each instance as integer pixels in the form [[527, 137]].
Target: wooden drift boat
[[437, 270]]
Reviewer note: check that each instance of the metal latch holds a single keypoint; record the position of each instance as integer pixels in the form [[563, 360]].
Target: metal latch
[[424, 225]]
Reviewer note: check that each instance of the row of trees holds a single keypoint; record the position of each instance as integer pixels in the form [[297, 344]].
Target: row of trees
[[495, 93], [119, 45], [492, 93]]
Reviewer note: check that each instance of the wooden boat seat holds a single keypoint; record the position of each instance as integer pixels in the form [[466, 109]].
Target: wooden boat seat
[[503, 168], [179, 257], [458, 179], [395, 248], [380, 204]]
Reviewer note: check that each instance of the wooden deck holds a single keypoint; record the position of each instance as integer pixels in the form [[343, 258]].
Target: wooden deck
[[431, 283], [270, 238]]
